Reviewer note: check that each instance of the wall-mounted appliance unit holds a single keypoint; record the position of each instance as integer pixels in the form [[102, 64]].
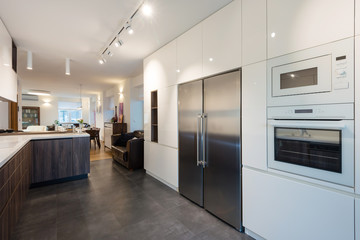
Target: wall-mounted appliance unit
[[320, 75], [29, 97], [315, 141]]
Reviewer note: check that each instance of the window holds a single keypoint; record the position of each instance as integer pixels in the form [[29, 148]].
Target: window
[[69, 112], [69, 116]]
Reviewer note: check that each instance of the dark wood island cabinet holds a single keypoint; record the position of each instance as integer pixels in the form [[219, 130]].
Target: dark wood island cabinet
[[40, 161]]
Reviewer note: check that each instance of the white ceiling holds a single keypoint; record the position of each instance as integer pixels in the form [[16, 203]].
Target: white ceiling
[[80, 30]]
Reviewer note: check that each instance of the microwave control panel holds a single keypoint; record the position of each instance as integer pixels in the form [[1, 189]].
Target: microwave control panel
[[341, 81]]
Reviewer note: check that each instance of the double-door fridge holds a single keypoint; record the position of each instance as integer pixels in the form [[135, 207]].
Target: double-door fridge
[[210, 145]]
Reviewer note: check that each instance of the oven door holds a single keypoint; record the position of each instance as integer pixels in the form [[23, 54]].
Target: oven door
[[322, 150]]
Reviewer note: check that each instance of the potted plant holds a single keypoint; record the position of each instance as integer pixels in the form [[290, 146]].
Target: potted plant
[[81, 122]]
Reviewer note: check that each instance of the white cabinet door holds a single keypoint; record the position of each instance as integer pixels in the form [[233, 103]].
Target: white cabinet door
[[357, 218], [254, 115], [357, 17], [281, 209], [5, 47], [253, 31], [357, 115], [189, 55], [161, 162], [160, 68], [168, 116], [8, 79], [222, 40], [297, 25]]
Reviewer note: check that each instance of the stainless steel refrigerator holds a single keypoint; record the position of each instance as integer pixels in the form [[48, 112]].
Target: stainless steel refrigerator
[[209, 145]]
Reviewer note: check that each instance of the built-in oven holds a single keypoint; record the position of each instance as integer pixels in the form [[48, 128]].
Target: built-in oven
[[320, 75], [314, 141]]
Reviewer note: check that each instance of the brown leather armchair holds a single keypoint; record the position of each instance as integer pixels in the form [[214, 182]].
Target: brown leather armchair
[[128, 149]]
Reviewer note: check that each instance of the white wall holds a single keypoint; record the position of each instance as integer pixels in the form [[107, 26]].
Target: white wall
[[137, 103]]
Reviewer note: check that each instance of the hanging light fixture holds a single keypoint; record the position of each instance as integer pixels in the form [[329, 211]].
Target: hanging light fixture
[[67, 66], [29, 60]]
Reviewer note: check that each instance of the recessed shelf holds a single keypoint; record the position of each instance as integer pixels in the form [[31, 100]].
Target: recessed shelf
[[154, 116]]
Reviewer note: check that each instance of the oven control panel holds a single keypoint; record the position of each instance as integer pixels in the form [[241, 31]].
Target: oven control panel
[[331, 111]]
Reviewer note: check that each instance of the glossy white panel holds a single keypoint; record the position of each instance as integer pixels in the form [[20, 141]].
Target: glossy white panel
[[280, 209], [357, 114], [8, 79], [162, 162], [254, 115], [253, 31], [357, 17], [303, 24], [167, 118], [357, 218], [5, 47], [222, 40], [189, 55]]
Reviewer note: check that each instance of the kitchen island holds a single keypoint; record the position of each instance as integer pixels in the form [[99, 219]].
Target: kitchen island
[[33, 160]]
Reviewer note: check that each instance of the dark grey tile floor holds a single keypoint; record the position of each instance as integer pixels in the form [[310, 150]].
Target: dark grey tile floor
[[114, 203]]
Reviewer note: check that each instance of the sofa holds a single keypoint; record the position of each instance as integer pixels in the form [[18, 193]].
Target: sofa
[[128, 149]]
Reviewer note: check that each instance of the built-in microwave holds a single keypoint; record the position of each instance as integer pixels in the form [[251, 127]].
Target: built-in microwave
[[319, 75], [315, 141]]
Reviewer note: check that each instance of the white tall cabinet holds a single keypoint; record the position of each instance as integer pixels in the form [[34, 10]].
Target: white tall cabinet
[[222, 40], [357, 218], [254, 128], [8, 77], [253, 31], [297, 25], [189, 55]]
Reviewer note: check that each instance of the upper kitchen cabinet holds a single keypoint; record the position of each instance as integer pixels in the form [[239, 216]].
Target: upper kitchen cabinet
[[189, 55], [8, 77], [5, 47], [222, 40], [253, 31], [295, 25], [160, 68]]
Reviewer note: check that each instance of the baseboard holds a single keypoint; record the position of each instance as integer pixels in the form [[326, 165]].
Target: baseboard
[[162, 181], [33, 185], [253, 235]]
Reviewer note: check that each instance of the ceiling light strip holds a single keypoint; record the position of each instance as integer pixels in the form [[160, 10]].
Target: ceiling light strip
[[127, 26]]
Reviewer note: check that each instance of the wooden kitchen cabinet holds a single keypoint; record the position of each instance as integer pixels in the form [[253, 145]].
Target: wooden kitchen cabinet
[[81, 152], [304, 24], [222, 40], [14, 186], [52, 159]]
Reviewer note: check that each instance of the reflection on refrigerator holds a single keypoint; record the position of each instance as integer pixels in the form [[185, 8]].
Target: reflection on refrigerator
[[209, 145]]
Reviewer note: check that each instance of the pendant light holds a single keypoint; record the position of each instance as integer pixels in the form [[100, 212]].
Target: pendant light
[[29, 60], [67, 66]]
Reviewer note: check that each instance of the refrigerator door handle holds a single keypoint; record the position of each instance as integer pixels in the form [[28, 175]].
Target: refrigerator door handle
[[203, 128], [199, 122]]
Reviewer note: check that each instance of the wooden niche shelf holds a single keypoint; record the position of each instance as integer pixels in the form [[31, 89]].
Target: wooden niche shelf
[[154, 116]]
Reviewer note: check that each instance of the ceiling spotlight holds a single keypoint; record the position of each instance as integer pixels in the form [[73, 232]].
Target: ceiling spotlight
[[29, 60], [109, 53], [102, 60], [129, 30], [146, 10], [118, 43], [67, 66]]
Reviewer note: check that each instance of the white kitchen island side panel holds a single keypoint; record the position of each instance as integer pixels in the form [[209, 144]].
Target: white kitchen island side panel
[[277, 208], [162, 163]]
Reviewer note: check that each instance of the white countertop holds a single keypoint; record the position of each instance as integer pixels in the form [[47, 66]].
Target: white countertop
[[10, 145]]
